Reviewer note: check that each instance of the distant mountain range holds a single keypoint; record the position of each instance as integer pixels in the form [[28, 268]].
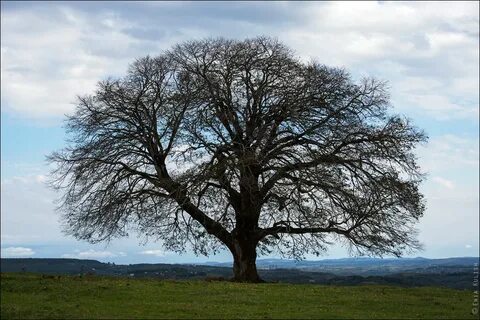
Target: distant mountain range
[[451, 272], [363, 265]]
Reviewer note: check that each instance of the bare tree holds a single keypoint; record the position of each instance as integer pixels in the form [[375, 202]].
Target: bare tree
[[240, 144]]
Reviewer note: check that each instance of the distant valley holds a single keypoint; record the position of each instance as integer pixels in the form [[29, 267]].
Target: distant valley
[[451, 272]]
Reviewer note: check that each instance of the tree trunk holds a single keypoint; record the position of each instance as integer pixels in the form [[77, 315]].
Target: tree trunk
[[244, 262]]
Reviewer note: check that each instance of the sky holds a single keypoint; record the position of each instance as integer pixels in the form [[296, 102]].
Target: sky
[[53, 51]]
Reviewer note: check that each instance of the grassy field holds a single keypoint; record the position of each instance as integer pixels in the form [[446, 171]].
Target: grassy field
[[33, 296]]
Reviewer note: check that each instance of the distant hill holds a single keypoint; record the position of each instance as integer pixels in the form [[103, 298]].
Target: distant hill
[[367, 266], [451, 272]]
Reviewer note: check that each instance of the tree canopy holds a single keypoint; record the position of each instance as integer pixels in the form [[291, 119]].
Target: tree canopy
[[240, 144]]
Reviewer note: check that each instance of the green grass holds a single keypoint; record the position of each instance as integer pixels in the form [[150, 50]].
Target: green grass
[[31, 296]]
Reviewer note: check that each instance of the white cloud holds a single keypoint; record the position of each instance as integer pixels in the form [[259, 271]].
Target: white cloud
[[157, 253], [447, 153], [466, 84], [28, 211], [444, 182], [451, 219], [440, 106], [55, 54], [451, 192], [17, 252], [468, 246], [62, 54], [443, 40], [427, 51], [417, 84], [92, 254]]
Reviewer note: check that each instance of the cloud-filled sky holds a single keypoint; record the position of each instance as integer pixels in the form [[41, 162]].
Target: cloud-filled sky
[[53, 51]]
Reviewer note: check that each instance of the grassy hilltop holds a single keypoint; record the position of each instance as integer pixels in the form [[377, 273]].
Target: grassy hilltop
[[36, 296]]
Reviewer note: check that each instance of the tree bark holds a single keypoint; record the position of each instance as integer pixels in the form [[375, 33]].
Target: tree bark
[[244, 261]]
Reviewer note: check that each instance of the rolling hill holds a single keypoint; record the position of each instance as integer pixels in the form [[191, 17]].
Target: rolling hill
[[452, 272]]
